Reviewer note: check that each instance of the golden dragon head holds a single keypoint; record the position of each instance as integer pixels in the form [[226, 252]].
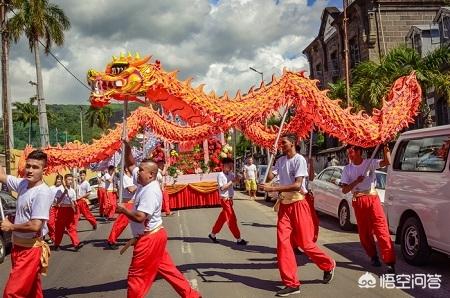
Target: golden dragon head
[[124, 77]]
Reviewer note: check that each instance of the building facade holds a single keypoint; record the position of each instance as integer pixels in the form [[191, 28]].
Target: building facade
[[374, 27]]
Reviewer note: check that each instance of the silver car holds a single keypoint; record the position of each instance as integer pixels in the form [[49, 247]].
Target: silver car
[[329, 199]]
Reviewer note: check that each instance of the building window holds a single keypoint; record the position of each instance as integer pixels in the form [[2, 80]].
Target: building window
[[355, 56], [334, 66], [445, 25]]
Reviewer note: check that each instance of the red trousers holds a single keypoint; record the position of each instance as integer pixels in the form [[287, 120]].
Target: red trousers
[[119, 225], [25, 277], [310, 199], [227, 215], [83, 209], [150, 257], [110, 204], [372, 221], [101, 195], [166, 202], [66, 220], [295, 225], [51, 222]]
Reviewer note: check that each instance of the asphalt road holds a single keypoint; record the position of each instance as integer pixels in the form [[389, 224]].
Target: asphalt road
[[225, 270]]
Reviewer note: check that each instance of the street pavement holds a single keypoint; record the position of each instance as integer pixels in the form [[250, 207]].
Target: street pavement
[[225, 269]]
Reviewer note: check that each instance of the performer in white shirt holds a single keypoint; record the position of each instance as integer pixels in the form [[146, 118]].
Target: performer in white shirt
[[30, 253], [161, 178], [53, 210], [111, 196], [250, 176], [84, 189], [150, 255], [128, 191], [66, 219]]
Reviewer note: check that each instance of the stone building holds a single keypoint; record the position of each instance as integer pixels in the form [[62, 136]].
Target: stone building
[[374, 27]]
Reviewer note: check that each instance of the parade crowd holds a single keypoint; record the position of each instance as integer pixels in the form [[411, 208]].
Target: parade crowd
[[45, 214]]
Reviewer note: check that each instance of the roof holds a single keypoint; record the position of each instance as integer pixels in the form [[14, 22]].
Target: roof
[[443, 10], [415, 28], [437, 129], [334, 12]]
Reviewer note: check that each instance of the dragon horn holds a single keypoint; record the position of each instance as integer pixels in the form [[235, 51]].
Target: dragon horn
[[129, 54], [138, 56], [114, 58]]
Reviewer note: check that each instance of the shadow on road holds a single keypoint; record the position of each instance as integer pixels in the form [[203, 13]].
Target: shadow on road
[[230, 244], [258, 225], [64, 292]]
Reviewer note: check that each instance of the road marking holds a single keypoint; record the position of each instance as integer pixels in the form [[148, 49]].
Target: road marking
[[194, 284], [181, 231], [186, 248], [178, 213]]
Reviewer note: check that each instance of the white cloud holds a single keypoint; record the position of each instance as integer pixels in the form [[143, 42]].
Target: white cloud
[[215, 44]]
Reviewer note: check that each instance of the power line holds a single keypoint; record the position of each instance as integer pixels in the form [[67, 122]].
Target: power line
[[59, 62]]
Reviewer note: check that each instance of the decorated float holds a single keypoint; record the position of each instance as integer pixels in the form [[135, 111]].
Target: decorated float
[[205, 115]]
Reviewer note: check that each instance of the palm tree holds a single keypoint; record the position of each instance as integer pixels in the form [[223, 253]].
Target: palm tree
[[99, 117], [39, 19], [26, 114], [372, 80]]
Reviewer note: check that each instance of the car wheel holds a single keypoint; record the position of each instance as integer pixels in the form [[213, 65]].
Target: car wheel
[[344, 216], [2, 249], [414, 242]]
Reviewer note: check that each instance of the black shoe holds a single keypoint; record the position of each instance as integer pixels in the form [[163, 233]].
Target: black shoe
[[297, 251], [79, 246], [328, 275], [286, 291], [94, 227], [241, 242], [375, 261], [213, 239], [112, 246], [390, 268], [111, 219], [55, 248]]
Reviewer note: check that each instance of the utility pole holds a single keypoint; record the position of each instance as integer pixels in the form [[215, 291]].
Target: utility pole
[[66, 136], [347, 68], [7, 123]]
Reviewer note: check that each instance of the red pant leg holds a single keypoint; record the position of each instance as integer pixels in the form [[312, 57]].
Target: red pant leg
[[60, 225], [287, 264], [166, 202], [25, 278], [83, 209], [101, 193], [227, 215], [310, 199], [362, 208], [119, 225], [381, 231], [110, 206], [147, 254], [51, 222], [170, 272], [66, 220]]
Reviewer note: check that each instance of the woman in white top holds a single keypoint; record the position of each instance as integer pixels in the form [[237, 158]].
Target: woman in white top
[[53, 210]]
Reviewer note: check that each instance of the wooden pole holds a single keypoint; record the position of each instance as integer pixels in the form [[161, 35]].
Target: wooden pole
[[122, 160]]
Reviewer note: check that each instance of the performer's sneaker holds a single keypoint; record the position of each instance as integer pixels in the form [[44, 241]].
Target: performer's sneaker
[[286, 291], [390, 268], [79, 246], [112, 246], [297, 251], [241, 242], [375, 261], [94, 227], [55, 248], [213, 239], [328, 275]]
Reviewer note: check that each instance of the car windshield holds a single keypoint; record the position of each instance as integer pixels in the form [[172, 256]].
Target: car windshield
[[93, 181], [381, 180], [8, 201]]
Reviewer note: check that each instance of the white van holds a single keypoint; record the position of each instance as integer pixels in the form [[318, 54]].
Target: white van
[[417, 198]]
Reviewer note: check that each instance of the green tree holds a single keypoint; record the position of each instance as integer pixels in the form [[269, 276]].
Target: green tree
[[372, 80], [338, 90], [26, 114], [39, 19], [99, 117]]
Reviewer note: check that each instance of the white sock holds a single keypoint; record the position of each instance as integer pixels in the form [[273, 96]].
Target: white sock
[[213, 235], [239, 239]]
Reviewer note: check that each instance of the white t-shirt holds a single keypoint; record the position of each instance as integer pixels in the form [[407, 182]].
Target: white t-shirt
[[33, 203], [109, 186], [223, 179], [250, 170], [351, 172], [101, 183], [66, 198], [290, 169], [83, 188], [127, 182], [148, 199], [54, 189]]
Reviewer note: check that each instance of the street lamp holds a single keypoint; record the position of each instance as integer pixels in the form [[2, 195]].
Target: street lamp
[[81, 123], [261, 73]]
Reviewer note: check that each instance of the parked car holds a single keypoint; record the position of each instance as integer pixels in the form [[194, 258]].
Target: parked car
[[417, 193], [94, 186], [329, 199], [9, 207]]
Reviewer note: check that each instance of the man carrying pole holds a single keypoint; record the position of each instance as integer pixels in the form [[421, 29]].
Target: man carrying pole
[[30, 253], [359, 178], [84, 189], [150, 255], [295, 227]]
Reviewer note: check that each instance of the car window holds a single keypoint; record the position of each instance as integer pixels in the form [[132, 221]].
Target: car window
[[326, 175], [336, 174], [423, 155], [8, 201], [93, 181], [381, 180]]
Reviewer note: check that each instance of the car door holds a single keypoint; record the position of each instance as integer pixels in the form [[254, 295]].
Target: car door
[[321, 189], [335, 194]]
